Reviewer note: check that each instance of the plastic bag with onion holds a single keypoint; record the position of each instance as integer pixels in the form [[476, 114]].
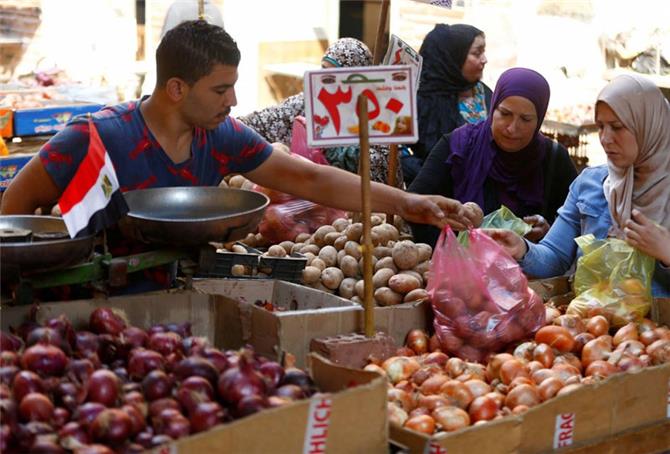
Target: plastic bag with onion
[[612, 279], [480, 297]]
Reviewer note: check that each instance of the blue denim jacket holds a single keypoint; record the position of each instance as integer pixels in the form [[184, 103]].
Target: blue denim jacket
[[584, 211]]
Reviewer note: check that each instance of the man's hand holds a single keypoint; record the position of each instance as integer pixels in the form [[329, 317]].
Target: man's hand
[[435, 210], [540, 227], [649, 237], [510, 241]]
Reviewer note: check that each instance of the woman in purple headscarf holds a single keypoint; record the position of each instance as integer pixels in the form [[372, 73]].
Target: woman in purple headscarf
[[504, 160]]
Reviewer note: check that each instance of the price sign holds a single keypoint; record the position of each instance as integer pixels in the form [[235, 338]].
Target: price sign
[[401, 53], [330, 105]]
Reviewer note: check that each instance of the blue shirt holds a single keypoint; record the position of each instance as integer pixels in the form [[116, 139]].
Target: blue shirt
[[139, 160], [584, 211]]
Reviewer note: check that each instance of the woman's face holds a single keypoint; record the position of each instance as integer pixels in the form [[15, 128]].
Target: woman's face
[[513, 124], [618, 141], [473, 67]]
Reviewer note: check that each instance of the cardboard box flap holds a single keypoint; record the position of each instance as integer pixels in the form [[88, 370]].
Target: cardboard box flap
[[333, 378]]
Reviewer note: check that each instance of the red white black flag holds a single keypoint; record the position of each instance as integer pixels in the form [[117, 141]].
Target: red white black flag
[[92, 201]]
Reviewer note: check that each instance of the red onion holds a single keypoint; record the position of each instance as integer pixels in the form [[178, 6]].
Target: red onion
[[5, 392], [134, 336], [137, 422], [64, 327], [26, 382], [143, 361], [86, 413], [8, 358], [292, 392], [112, 349], [144, 438], [60, 417], [238, 382], [158, 406], [94, 449], [7, 374], [194, 345], [206, 415], [111, 426], [105, 321], [161, 439], [183, 329], [86, 343], [80, 370], [104, 387], [165, 343], [36, 407], [273, 372], [156, 385], [249, 405], [197, 366], [293, 376], [27, 434], [136, 399], [6, 438], [45, 360], [70, 395], [10, 342], [172, 423], [45, 445], [156, 329], [219, 359], [72, 434]]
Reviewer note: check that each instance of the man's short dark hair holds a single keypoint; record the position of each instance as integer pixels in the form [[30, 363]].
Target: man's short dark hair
[[191, 49]]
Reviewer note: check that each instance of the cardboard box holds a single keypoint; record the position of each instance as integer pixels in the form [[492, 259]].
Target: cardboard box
[[6, 121], [349, 417], [10, 166], [591, 413], [311, 313], [48, 120]]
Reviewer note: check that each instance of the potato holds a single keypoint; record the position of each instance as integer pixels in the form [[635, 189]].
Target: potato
[[329, 255], [378, 238], [320, 234], [417, 295], [414, 274], [261, 241], [310, 248], [425, 251], [381, 277], [354, 231], [384, 296], [311, 275], [320, 264], [376, 219], [405, 255], [382, 251], [386, 262], [340, 242], [340, 224], [390, 232], [357, 299], [422, 267], [476, 214], [223, 184], [248, 185], [236, 181], [250, 240], [323, 288], [276, 251], [359, 289], [239, 249], [302, 237], [331, 237], [309, 257], [346, 289], [331, 277], [353, 249], [287, 245], [238, 270], [349, 266], [297, 247], [403, 283]]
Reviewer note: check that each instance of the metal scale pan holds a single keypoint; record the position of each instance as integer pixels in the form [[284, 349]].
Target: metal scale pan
[[32, 243], [192, 216]]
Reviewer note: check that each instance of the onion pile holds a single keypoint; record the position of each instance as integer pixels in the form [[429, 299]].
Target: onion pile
[[430, 392], [118, 388]]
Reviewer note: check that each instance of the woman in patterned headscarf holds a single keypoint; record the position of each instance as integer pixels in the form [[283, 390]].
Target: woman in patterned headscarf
[[275, 123]]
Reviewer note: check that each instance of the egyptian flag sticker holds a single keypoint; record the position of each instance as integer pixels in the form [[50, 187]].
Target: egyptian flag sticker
[[93, 199]]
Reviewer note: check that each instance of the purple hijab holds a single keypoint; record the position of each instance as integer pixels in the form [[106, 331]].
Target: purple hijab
[[475, 156]]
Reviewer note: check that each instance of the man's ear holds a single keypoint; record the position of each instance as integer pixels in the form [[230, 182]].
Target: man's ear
[[176, 89]]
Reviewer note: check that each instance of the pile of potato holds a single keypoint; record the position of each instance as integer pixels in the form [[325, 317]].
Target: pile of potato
[[335, 261]]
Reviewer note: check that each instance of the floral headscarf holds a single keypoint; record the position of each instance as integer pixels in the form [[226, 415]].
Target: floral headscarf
[[346, 52]]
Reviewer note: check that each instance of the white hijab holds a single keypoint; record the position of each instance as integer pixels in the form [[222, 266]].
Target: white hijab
[[645, 185]]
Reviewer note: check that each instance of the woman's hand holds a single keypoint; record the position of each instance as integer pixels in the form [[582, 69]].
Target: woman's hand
[[435, 210], [540, 227], [510, 241], [649, 237]]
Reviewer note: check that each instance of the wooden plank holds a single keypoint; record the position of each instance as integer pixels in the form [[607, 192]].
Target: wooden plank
[[648, 439]]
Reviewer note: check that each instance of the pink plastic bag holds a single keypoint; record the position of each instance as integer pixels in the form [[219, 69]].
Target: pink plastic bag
[[284, 221], [480, 297], [299, 143]]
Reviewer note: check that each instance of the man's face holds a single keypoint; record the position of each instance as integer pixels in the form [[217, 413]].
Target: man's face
[[209, 100]]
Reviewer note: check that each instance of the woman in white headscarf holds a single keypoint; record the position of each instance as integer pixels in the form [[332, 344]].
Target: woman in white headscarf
[[628, 198]]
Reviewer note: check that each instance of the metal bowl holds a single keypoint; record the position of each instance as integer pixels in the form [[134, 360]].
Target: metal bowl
[[42, 255], [192, 216]]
